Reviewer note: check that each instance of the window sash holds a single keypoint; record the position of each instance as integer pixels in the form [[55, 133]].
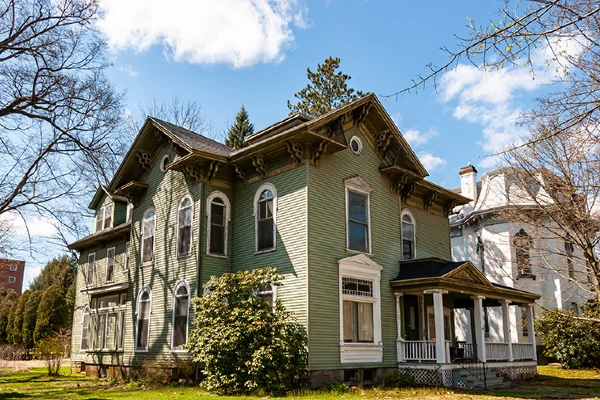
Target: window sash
[[358, 221], [143, 323], [85, 326], [358, 322], [110, 264], [265, 234], [108, 211], [89, 269], [126, 262]]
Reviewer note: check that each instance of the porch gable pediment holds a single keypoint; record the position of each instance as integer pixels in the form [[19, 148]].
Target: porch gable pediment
[[467, 273], [360, 260]]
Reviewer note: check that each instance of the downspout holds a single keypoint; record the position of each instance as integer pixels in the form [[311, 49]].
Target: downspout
[[201, 223]]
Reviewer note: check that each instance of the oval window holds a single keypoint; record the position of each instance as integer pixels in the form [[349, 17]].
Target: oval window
[[355, 145], [164, 162]]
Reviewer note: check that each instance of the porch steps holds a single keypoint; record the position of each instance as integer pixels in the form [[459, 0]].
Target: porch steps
[[475, 380]]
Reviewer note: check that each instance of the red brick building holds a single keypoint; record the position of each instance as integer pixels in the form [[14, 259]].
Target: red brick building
[[11, 275]]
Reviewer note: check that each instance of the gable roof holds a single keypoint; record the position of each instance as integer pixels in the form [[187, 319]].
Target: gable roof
[[100, 193], [190, 139]]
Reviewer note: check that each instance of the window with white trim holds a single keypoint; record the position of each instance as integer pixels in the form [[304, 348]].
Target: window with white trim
[[265, 208], [143, 311], [148, 231], [184, 226], [181, 309], [408, 236], [218, 207], [126, 260], [268, 293], [358, 215], [104, 216], [103, 322], [110, 264], [522, 242], [12, 279], [358, 315], [13, 267], [90, 269]]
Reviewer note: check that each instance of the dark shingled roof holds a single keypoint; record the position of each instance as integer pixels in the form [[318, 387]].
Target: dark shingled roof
[[195, 140], [426, 268]]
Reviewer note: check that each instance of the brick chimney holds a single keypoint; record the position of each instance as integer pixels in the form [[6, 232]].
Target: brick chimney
[[468, 182]]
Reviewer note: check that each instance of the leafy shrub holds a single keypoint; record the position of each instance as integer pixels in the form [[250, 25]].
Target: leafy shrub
[[336, 387], [397, 379], [245, 343], [51, 350], [571, 339]]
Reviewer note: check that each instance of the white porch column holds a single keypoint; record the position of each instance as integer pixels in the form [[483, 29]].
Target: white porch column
[[506, 326], [479, 327], [438, 310], [399, 321], [531, 330]]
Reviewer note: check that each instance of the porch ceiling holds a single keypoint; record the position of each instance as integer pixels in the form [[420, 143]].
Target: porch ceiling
[[462, 279]]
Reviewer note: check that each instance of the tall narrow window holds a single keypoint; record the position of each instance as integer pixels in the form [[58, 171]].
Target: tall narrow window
[[184, 224], [110, 264], [90, 269], [267, 293], [143, 319], [265, 218], [408, 236], [126, 261], [148, 228], [522, 243], [569, 249], [85, 329], [218, 217], [108, 212], [481, 253], [181, 306], [358, 222]]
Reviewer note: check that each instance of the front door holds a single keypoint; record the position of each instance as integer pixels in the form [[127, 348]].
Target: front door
[[411, 317]]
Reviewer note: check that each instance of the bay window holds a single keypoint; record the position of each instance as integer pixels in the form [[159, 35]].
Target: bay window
[[102, 323]]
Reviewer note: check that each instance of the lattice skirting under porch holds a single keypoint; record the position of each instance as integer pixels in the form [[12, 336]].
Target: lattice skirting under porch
[[516, 373], [429, 377]]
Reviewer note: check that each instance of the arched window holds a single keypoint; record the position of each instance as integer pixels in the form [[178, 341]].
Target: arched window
[[265, 211], [144, 307], [148, 229], [408, 236], [181, 308], [85, 328], [481, 253], [184, 226], [522, 243], [218, 219]]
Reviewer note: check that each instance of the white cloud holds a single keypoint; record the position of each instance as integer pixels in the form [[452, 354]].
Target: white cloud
[[235, 32], [417, 138], [36, 226], [128, 69], [431, 162]]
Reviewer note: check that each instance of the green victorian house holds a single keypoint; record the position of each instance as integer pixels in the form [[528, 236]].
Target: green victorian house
[[338, 204]]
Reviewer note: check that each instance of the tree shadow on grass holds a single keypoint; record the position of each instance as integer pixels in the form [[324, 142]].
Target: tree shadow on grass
[[551, 387]]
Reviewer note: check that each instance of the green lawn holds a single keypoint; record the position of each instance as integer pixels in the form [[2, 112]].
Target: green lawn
[[552, 383]]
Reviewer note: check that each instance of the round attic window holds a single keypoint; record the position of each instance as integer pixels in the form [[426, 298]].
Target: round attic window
[[164, 162], [355, 145]]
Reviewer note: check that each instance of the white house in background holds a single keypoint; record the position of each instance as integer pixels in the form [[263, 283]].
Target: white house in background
[[511, 254]]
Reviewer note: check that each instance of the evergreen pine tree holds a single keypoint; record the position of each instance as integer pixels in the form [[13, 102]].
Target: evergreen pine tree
[[327, 91], [239, 130]]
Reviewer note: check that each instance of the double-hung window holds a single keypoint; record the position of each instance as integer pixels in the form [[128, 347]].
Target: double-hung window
[[181, 309], [148, 229], [12, 279], [90, 269], [110, 264], [104, 217], [218, 219], [184, 226], [358, 229], [358, 312], [408, 236], [126, 261], [144, 306], [522, 242], [265, 211]]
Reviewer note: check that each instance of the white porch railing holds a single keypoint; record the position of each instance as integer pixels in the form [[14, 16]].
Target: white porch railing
[[522, 351], [420, 350], [496, 351]]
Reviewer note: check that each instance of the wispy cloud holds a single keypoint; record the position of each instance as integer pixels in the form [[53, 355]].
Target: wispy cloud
[[431, 162], [128, 69], [235, 32], [35, 226], [418, 138]]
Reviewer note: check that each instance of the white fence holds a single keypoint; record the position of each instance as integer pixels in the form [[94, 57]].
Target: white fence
[[496, 351]]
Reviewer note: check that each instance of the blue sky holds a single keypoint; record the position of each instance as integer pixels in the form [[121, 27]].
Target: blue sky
[[222, 54]]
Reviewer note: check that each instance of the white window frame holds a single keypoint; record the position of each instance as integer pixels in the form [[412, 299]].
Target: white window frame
[[190, 252], [163, 165], [227, 216], [84, 312], [187, 321], [272, 292], [259, 191], [102, 212], [114, 250], [144, 220], [448, 314], [13, 267], [130, 208], [361, 267], [90, 269], [127, 258], [404, 212], [148, 290], [357, 185], [12, 279]]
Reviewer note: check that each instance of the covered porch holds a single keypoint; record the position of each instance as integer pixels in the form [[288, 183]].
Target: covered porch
[[427, 292]]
